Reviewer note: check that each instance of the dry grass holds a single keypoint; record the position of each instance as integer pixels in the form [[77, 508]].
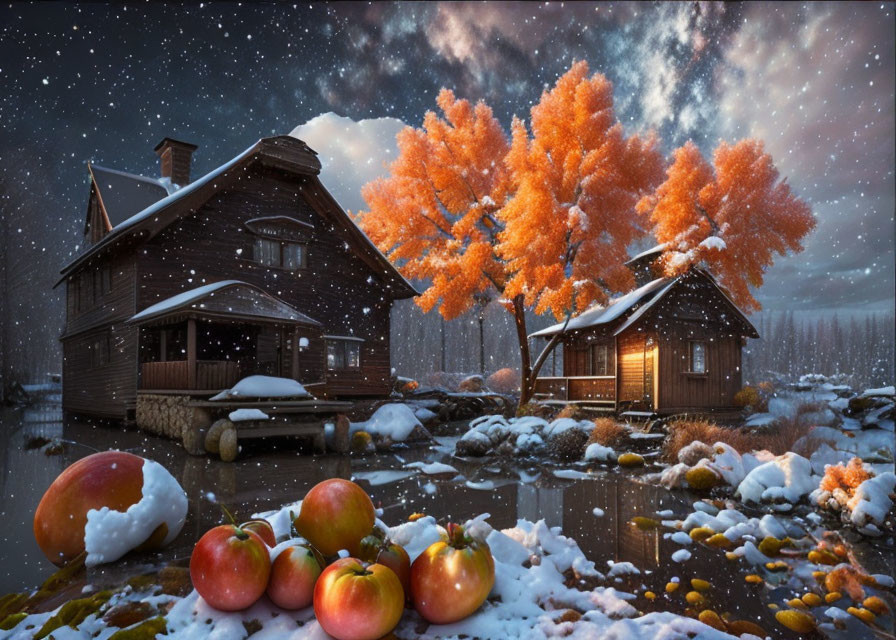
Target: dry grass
[[573, 411], [607, 432], [778, 438]]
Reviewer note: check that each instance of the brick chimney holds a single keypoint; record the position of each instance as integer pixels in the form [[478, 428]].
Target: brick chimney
[[175, 156]]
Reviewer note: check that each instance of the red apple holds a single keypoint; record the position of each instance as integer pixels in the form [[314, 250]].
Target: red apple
[[354, 602], [335, 515], [383, 551], [230, 567], [111, 479], [451, 579], [293, 576], [263, 529]]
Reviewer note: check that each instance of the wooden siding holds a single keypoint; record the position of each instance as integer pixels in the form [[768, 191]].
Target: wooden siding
[[683, 391], [105, 390], [337, 288]]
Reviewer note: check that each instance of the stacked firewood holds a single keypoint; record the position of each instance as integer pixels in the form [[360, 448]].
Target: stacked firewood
[[167, 415]]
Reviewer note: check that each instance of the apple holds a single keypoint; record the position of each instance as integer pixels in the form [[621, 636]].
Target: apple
[[335, 515], [376, 548], [230, 567], [452, 578], [112, 479], [263, 529], [357, 602], [293, 575]]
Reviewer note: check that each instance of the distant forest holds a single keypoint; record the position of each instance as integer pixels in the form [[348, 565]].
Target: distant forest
[[859, 348]]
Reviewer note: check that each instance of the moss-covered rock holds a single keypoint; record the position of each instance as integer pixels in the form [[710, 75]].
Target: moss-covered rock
[[701, 478], [146, 630], [362, 442], [568, 446], [630, 460]]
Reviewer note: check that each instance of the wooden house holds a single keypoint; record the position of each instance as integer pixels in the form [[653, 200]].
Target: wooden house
[[673, 345], [186, 287]]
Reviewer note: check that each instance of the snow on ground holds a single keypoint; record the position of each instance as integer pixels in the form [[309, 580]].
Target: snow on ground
[[787, 478], [527, 600], [263, 387], [395, 421], [243, 415], [432, 468], [525, 435]]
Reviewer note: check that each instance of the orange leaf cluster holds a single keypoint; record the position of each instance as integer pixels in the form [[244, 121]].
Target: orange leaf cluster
[[739, 199], [577, 179], [435, 214], [848, 478]]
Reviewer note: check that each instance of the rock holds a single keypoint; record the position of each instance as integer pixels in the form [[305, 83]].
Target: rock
[[473, 447], [694, 453], [701, 478], [798, 621], [362, 443], [124, 615], [227, 445], [630, 460], [194, 439], [473, 384]]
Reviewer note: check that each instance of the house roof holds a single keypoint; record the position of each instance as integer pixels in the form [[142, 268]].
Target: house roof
[[227, 298], [600, 314], [652, 252], [638, 304], [123, 194], [284, 152]]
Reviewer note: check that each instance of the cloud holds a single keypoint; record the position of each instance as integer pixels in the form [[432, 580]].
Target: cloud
[[815, 83], [352, 152]]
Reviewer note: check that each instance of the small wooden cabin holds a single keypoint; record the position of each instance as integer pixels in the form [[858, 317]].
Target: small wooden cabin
[[186, 287], [673, 345]]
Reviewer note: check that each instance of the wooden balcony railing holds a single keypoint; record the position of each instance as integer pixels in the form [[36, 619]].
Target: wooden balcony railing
[[175, 374], [600, 389]]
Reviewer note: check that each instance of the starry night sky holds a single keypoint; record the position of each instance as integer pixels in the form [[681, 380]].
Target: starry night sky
[[106, 83]]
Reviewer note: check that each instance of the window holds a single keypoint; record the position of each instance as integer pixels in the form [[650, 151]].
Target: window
[[275, 253], [698, 357], [280, 242], [99, 350], [601, 361], [343, 353]]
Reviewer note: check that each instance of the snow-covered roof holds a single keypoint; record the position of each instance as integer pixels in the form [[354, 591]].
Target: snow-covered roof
[[658, 249], [125, 194], [154, 211], [644, 308], [598, 314], [227, 297]]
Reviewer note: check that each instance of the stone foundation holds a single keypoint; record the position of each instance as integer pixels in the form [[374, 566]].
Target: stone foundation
[[169, 415]]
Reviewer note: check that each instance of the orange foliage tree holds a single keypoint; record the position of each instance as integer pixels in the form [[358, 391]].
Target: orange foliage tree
[[577, 181], [541, 222], [733, 215]]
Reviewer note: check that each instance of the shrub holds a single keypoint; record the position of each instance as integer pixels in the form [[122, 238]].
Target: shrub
[[569, 445], [848, 477], [747, 397], [572, 411], [504, 380], [607, 432], [533, 409], [777, 438]]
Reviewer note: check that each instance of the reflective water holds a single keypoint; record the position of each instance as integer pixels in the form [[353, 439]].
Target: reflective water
[[271, 474]]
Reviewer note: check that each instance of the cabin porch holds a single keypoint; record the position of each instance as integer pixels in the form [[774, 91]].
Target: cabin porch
[[204, 356], [589, 390]]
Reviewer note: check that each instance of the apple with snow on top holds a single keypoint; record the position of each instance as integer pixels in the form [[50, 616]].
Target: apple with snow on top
[[263, 529], [335, 515], [109, 503], [452, 578]]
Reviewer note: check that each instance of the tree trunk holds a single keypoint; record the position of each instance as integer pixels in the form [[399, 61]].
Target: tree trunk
[[481, 342], [519, 316]]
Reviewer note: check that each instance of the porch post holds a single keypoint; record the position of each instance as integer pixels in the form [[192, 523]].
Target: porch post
[[295, 354], [191, 353]]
